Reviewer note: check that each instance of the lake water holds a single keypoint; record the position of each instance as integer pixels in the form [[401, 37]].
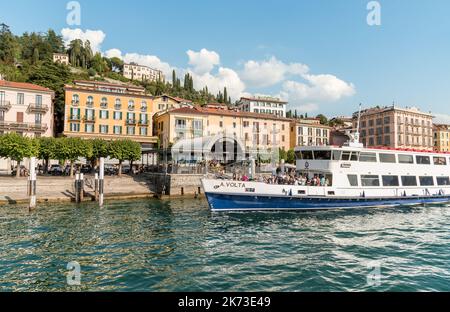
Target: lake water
[[179, 245]]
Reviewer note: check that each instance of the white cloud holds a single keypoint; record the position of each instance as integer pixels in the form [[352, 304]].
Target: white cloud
[[225, 77], [142, 59], [270, 72], [441, 118], [95, 37], [203, 61], [316, 89]]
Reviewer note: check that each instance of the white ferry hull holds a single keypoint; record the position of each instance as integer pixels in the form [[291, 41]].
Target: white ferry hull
[[230, 196]]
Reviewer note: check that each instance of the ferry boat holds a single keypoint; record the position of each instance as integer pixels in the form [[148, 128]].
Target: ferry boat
[[357, 177]]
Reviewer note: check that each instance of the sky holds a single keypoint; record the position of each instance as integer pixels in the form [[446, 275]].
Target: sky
[[320, 55]]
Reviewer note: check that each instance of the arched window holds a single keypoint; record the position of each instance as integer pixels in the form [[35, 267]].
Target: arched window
[[75, 99], [104, 103], [118, 104], [90, 101], [130, 105], [144, 106]]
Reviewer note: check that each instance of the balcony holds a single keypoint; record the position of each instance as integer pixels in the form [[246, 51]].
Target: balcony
[[131, 122], [143, 108], [23, 126], [74, 118], [5, 105], [75, 103], [38, 108], [143, 122], [131, 108], [89, 119]]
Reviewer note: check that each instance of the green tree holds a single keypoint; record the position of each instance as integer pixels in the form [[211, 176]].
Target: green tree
[[124, 150], [17, 147], [47, 150], [282, 154], [73, 148], [8, 45], [100, 148], [290, 156], [323, 119]]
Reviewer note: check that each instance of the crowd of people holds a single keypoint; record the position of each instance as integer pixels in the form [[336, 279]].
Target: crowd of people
[[288, 179]]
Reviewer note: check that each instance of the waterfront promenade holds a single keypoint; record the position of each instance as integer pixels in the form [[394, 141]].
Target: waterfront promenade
[[54, 189]]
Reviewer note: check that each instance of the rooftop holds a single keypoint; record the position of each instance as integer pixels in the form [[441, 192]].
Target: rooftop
[[23, 85], [264, 99], [379, 109]]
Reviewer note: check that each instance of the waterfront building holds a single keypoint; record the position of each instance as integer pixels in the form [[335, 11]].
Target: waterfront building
[[26, 109], [395, 127], [109, 111], [262, 105], [61, 58], [256, 131], [166, 102], [134, 71], [342, 122], [441, 134], [308, 132]]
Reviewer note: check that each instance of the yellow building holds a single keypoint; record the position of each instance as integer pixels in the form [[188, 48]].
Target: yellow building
[[441, 135], [309, 131], [108, 111], [256, 131]]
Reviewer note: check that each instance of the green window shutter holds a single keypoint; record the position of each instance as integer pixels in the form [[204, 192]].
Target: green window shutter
[[107, 114], [120, 115]]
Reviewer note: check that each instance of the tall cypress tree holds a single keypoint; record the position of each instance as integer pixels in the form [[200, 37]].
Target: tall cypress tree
[[174, 78], [225, 95]]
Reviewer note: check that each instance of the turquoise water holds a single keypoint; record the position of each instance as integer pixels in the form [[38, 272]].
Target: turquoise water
[[179, 245]]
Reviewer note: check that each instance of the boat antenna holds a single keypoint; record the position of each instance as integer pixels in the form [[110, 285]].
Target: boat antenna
[[354, 137]]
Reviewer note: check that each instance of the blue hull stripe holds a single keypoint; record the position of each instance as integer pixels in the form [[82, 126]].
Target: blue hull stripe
[[243, 202]]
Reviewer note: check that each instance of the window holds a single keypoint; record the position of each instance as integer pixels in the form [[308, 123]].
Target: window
[[354, 156], [443, 180], [409, 181], [118, 104], [346, 155], [131, 105], [104, 114], [89, 128], [104, 103], [130, 130], [322, 155], [390, 181], [220, 124], [117, 115], [352, 179], [337, 155], [143, 131], [387, 158], [423, 160], [117, 129], [440, 161], [426, 181], [103, 129], [75, 99], [368, 157], [143, 106], [20, 98], [308, 155], [370, 180], [75, 127], [180, 123], [405, 159]]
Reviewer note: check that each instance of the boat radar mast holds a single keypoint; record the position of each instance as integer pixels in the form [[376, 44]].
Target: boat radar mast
[[354, 137]]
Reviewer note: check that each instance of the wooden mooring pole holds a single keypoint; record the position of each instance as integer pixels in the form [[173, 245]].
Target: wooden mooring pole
[[101, 183], [32, 184]]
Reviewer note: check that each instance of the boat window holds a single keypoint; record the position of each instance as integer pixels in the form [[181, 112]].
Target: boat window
[[443, 180], [409, 181], [370, 180], [307, 155], [322, 155], [298, 155], [346, 155], [368, 157], [337, 155], [406, 159], [352, 179], [423, 160], [355, 156], [426, 181], [390, 180], [387, 158], [440, 161]]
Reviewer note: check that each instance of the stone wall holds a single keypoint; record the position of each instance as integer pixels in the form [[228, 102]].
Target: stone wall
[[176, 184]]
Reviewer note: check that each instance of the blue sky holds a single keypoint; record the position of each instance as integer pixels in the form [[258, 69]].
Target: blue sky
[[320, 55]]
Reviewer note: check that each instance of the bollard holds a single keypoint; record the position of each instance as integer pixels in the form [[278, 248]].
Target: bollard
[[101, 181], [182, 191], [81, 187], [77, 186], [32, 183], [96, 186]]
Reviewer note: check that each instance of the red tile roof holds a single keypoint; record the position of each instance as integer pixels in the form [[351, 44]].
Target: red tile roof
[[23, 85]]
